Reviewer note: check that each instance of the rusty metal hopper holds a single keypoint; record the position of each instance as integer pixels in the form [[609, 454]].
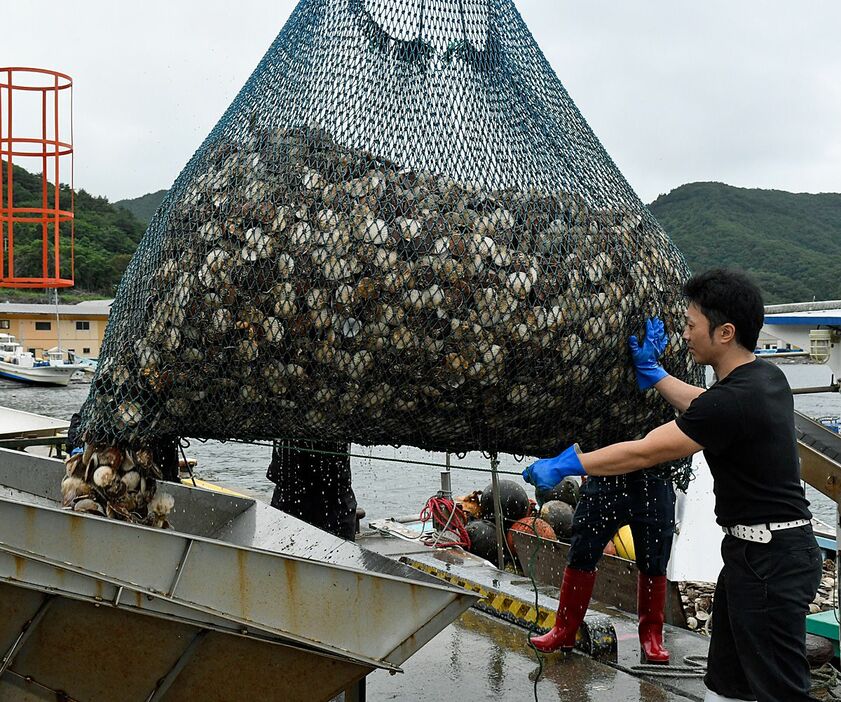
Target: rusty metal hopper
[[240, 600]]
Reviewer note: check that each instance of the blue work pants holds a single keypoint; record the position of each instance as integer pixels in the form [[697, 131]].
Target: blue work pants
[[644, 500]]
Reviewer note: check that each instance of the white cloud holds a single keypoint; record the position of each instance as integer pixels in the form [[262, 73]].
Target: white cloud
[[741, 92]]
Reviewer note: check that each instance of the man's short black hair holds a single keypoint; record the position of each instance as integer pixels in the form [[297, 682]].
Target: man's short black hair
[[727, 295]]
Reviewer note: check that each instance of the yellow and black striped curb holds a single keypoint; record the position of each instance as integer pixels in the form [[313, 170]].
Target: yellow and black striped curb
[[499, 604], [596, 636]]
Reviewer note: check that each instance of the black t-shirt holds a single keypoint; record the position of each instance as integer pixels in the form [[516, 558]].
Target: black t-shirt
[[745, 423]]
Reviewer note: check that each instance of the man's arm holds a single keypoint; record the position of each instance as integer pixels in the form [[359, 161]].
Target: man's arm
[[677, 393], [663, 444]]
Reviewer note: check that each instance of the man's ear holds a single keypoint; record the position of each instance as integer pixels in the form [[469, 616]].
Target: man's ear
[[726, 332]]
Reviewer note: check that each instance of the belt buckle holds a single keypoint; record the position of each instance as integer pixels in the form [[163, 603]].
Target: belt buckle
[[761, 535], [757, 533]]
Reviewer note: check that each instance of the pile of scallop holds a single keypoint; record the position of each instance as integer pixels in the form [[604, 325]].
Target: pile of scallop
[[120, 484], [297, 287], [698, 600]]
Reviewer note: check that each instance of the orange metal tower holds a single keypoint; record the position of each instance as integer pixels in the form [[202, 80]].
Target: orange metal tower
[[27, 217]]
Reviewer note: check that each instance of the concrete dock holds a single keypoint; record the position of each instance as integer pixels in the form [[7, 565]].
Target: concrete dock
[[480, 658], [485, 656]]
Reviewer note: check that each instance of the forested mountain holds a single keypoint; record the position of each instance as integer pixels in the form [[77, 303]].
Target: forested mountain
[[790, 242], [105, 236], [143, 207]]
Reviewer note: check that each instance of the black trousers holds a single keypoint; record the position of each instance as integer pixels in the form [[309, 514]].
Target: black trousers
[[645, 500], [314, 485], [758, 644]]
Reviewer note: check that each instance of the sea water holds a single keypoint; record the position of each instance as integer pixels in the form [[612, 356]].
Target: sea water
[[385, 488]]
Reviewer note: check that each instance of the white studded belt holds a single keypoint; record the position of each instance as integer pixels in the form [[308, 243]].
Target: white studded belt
[[761, 533]]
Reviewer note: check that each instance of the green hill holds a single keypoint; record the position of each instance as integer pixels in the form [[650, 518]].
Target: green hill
[[789, 242], [143, 207], [105, 238]]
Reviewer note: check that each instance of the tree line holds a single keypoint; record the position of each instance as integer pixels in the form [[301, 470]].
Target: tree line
[[790, 242], [105, 236]]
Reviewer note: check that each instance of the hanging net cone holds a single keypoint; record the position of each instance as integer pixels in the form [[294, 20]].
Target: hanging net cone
[[402, 231]]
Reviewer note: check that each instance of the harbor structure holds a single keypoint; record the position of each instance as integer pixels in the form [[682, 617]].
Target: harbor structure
[[78, 329]]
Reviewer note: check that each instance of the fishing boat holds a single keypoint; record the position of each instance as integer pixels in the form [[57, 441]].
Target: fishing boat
[[236, 577], [88, 364], [832, 422], [17, 364]]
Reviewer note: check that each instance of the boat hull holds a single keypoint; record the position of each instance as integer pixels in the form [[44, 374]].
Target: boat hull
[[39, 375]]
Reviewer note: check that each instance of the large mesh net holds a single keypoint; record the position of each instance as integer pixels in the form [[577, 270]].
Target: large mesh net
[[402, 231]]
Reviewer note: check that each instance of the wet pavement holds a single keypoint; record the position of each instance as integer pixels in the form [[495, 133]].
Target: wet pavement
[[486, 657], [480, 658]]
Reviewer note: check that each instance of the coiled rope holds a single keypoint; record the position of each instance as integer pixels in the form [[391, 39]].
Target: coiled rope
[[442, 511], [825, 679]]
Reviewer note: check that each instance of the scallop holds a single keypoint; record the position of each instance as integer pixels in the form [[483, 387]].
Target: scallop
[[301, 234], [88, 505], [273, 329], [104, 476], [520, 284], [131, 480], [129, 414], [316, 298], [344, 294], [337, 269], [350, 327], [327, 220]]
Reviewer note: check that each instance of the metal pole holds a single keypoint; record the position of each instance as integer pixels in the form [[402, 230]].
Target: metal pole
[[446, 480], [835, 387], [500, 529], [57, 320], [166, 682], [25, 633], [837, 563]]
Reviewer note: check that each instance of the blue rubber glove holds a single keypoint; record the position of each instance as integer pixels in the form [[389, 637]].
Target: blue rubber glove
[[548, 472], [646, 356], [76, 452]]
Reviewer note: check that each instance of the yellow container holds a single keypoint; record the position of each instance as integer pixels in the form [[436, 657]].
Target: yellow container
[[623, 541]]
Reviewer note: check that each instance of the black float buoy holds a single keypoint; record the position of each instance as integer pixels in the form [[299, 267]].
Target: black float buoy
[[512, 497], [565, 491], [482, 539], [558, 515]]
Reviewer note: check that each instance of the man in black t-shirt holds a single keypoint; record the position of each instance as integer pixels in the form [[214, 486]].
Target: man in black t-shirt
[[744, 424]]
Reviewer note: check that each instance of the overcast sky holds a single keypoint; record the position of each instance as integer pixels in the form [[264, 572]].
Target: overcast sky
[[747, 92]]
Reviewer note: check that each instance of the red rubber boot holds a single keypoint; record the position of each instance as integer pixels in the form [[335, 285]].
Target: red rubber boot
[[651, 597], [575, 596]]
